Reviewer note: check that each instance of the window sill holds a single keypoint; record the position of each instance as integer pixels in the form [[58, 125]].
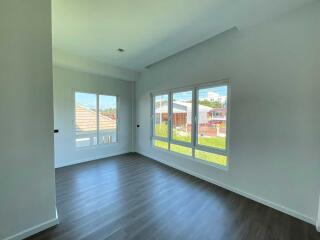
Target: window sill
[[96, 146]]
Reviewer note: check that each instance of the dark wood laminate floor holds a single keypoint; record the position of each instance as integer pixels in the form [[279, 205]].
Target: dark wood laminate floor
[[133, 197]]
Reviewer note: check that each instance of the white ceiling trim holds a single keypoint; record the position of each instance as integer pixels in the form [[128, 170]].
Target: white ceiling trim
[[80, 63]]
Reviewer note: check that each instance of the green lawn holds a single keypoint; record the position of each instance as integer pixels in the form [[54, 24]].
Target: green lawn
[[161, 144], [161, 130], [218, 142], [211, 157], [181, 149]]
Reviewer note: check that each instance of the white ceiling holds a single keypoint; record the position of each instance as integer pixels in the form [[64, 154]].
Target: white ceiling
[[151, 30]]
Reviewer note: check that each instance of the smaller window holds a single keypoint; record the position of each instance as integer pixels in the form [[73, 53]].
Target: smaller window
[[96, 119]]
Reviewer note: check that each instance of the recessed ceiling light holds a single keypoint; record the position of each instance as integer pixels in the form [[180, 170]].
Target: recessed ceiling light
[[120, 50]]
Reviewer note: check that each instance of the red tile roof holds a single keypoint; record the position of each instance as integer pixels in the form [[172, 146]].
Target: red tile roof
[[86, 120]]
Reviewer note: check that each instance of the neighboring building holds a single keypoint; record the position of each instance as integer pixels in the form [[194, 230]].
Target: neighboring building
[[211, 121], [182, 112], [86, 127]]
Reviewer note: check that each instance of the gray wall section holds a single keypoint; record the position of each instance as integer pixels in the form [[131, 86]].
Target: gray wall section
[[67, 81], [274, 135], [27, 184]]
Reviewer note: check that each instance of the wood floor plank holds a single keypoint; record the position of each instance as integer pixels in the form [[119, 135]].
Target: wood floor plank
[[134, 197]]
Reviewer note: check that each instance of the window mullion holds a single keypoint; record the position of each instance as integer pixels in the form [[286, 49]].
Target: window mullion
[[160, 139], [193, 122], [185, 144], [211, 150], [169, 117], [152, 116], [98, 120]]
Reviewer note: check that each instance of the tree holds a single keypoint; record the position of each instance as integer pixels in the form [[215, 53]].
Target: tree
[[213, 104]]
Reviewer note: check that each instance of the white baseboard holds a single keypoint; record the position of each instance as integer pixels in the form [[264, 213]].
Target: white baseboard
[[318, 219], [253, 197], [59, 165], [33, 230]]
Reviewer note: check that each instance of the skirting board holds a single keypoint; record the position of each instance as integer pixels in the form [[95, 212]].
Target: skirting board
[[318, 220], [268, 203], [59, 165], [33, 230]]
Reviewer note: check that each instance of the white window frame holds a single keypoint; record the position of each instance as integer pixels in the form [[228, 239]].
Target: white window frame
[[98, 145], [194, 134]]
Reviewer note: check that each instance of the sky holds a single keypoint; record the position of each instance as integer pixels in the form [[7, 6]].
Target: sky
[[203, 93], [89, 100], [222, 91]]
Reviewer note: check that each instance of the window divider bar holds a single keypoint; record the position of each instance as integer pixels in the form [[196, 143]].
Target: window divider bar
[[185, 144], [211, 150], [118, 119], [98, 120], [160, 139], [170, 106], [194, 120], [153, 109]]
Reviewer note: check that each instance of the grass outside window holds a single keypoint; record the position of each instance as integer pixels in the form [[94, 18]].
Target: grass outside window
[[181, 149], [211, 157], [161, 144]]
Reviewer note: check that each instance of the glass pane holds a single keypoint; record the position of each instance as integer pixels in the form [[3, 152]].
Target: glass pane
[[86, 119], [212, 116], [161, 116], [107, 119], [211, 157], [161, 144], [181, 149], [182, 116]]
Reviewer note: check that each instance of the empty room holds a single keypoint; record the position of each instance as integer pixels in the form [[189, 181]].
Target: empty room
[[172, 119]]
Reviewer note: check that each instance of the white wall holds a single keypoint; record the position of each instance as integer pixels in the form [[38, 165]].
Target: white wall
[[275, 134], [66, 81], [27, 184]]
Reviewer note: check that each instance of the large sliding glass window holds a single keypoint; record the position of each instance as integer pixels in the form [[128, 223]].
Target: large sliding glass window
[[193, 122]]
